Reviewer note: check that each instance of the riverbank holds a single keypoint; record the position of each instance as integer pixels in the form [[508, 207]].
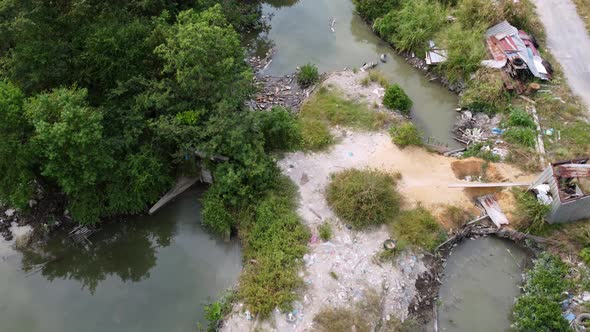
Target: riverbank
[[342, 272]]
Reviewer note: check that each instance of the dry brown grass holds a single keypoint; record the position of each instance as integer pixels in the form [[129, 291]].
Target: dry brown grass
[[583, 7]]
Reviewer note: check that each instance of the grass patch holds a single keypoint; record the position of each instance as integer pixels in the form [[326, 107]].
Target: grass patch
[[583, 7], [456, 217], [376, 76], [363, 197], [531, 213], [525, 137], [481, 150], [405, 134], [325, 231], [307, 75], [520, 118], [418, 228], [485, 92], [585, 256], [216, 311], [328, 108], [364, 317], [539, 309], [274, 244], [465, 51]]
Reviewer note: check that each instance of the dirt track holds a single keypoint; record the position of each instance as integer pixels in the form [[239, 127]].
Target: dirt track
[[569, 42]]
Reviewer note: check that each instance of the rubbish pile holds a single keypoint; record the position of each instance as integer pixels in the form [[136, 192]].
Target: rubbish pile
[[278, 91]]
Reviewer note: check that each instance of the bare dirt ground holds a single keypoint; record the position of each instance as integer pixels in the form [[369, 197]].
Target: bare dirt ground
[[569, 42], [351, 255]]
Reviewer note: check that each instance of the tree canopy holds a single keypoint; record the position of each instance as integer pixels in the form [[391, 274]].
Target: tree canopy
[[106, 102]]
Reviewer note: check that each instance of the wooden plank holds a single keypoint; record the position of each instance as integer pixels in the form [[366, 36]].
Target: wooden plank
[[493, 210], [182, 184], [488, 185]]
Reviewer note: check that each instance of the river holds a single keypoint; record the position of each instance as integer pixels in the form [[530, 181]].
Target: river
[[151, 273], [300, 32], [479, 286]]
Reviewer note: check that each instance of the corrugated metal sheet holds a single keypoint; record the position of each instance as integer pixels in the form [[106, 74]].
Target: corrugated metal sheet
[[502, 28], [573, 171]]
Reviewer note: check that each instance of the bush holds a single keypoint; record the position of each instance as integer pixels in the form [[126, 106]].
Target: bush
[[363, 197], [539, 309], [405, 134], [585, 256], [520, 135], [520, 118], [280, 129], [396, 99], [325, 231], [216, 216], [307, 75], [274, 244], [419, 228], [315, 134], [410, 27], [531, 212], [485, 92], [370, 10]]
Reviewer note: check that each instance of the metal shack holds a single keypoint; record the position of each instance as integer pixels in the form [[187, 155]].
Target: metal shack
[[566, 187]]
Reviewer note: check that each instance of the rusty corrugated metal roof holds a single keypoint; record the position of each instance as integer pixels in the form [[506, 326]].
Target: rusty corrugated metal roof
[[573, 171]]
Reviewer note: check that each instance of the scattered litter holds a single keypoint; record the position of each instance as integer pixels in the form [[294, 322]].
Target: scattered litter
[[248, 315]]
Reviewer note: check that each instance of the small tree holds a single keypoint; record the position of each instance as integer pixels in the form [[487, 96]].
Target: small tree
[[307, 75], [396, 99]]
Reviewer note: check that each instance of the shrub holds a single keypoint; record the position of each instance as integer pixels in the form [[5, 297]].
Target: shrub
[[520, 135], [419, 228], [521, 118], [325, 231], [539, 309], [307, 75], [280, 129], [216, 216], [363, 197], [585, 255], [465, 51], [372, 9], [485, 92], [315, 134], [216, 311], [411, 26], [531, 212], [405, 134], [396, 99], [274, 244]]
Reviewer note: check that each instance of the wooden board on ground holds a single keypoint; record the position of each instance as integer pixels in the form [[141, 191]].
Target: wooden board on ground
[[493, 210], [488, 185], [182, 184]]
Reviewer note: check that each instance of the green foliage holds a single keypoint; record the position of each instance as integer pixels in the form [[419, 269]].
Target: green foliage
[[405, 134], [325, 231], [274, 244], [371, 10], [216, 311], [485, 92], [376, 76], [280, 129], [16, 182], [585, 256], [363, 197], [315, 134], [531, 212], [205, 59], [465, 51], [411, 26], [520, 118], [478, 13], [520, 135], [396, 99], [419, 228], [307, 75], [216, 216], [538, 309], [482, 151]]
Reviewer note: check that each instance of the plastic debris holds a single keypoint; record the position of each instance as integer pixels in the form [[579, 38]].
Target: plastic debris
[[569, 316], [248, 315]]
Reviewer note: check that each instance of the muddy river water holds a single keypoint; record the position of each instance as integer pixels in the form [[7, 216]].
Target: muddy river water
[[301, 34], [151, 273], [480, 283]]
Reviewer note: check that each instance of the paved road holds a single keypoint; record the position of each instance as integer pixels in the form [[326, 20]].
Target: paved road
[[569, 42]]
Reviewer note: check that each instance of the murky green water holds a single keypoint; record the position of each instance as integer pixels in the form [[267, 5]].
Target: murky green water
[[301, 34], [480, 284], [150, 274]]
